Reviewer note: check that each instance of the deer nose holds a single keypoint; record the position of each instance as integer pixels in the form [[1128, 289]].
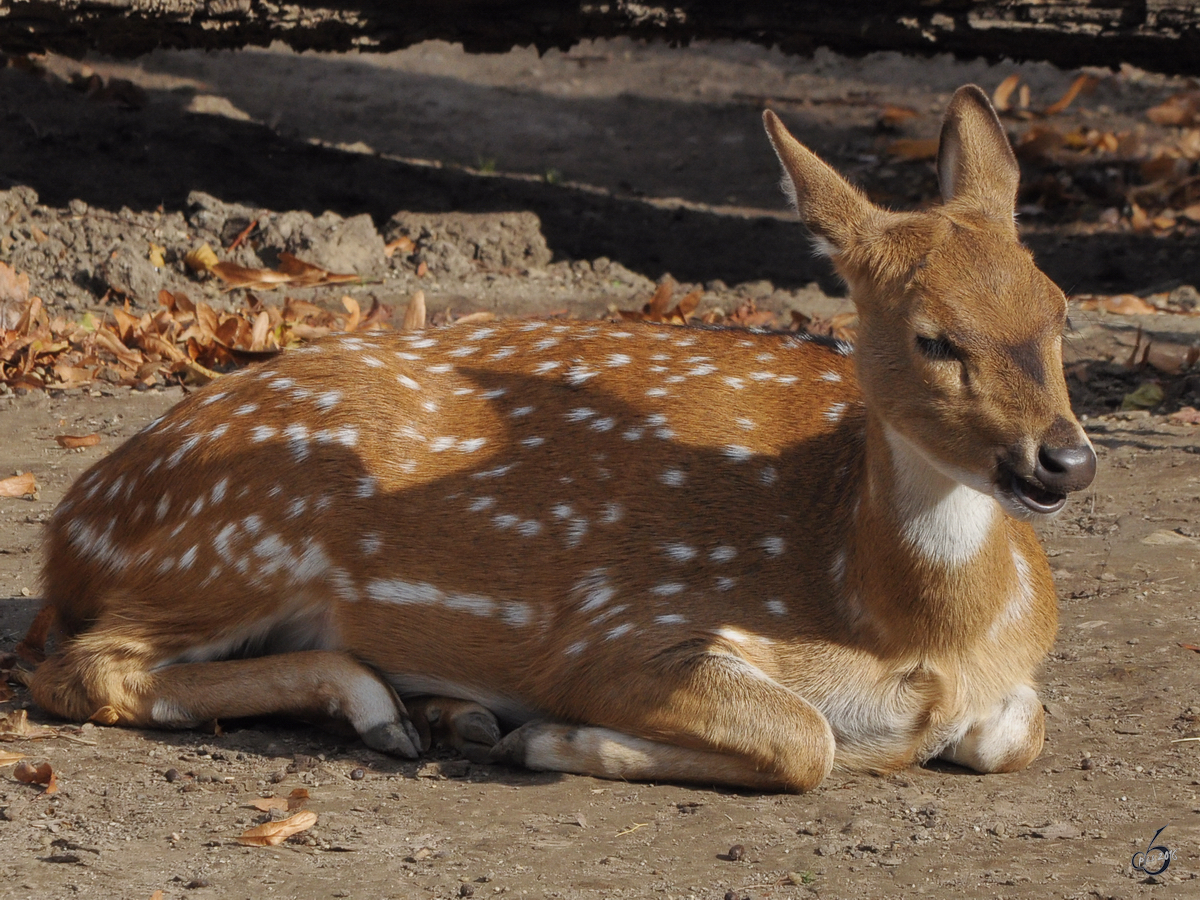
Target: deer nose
[[1065, 469]]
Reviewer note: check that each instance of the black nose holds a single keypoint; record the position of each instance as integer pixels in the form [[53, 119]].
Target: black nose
[[1065, 469]]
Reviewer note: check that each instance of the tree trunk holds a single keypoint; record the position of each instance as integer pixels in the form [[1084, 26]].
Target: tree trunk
[[1161, 35]]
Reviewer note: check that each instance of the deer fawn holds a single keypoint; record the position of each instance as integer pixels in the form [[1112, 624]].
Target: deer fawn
[[717, 556]]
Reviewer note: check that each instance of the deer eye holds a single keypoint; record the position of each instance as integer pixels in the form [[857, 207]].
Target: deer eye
[[937, 349]]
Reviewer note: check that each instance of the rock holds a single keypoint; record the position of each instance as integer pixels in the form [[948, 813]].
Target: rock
[[449, 242], [1062, 831], [129, 271]]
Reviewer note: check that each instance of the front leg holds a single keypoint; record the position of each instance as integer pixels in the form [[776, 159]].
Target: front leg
[[707, 717], [1007, 740]]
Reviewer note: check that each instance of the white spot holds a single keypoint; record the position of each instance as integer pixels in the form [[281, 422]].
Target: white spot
[[722, 554], [680, 553], [260, 433], [423, 343], [497, 472], [440, 369], [533, 326], [480, 333], [282, 384], [224, 538], [529, 528], [516, 614], [837, 569], [164, 504], [189, 557], [297, 435], [738, 453], [296, 507], [410, 357], [562, 510], [576, 648], [773, 545], [503, 353], [403, 593], [724, 582], [776, 607], [604, 424], [761, 376], [473, 603], [746, 424], [368, 485], [618, 631], [440, 444], [494, 393], [611, 513], [521, 411], [479, 504], [705, 369], [252, 523], [471, 445], [462, 351], [504, 521], [656, 392], [668, 589], [217, 433], [186, 447], [532, 441], [673, 477], [633, 434], [408, 382], [577, 530], [734, 382], [543, 367], [581, 414], [832, 377], [546, 343], [670, 619], [618, 359], [577, 375], [371, 543], [834, 413], [197, 507], [732, 634], [769, 475]]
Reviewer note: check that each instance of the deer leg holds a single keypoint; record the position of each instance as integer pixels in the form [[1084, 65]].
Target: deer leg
[[466, 726], [116, 685], [1007, 740], [711, 718]]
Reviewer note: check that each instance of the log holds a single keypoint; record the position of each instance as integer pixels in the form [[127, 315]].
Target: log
[[1160, 35]]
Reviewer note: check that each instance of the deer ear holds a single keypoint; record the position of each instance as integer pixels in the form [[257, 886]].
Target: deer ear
[[835, 211], [975, 163]]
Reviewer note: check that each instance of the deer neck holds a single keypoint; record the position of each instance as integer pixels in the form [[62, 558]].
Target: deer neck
[[930, 557]]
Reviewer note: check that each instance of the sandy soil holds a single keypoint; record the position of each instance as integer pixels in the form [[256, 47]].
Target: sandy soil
[[635, 161]]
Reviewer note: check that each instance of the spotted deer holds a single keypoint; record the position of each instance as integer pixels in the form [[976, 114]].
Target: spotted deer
[[705, 555]]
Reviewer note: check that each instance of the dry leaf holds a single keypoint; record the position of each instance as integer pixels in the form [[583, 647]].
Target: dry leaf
[[242, 235], [351, 306], [75, 441], [157, 895], [1118, 304], [1189, 415], [1181, 109], [895, 116], [201, 259], [414, 315], [1081, 83], [1169, 358], [156, 256], [422, 269], [40, 773], [402, 243], [271, 834], [14, 726], [296, 799], [914, 148], [19, 486], [8, 758], [476, 318], [1001, 96]]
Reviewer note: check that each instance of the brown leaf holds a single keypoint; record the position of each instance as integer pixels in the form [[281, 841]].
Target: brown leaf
[[14, 726], [74, 441], [402, 243], [297, 798], [1181, 109], [19, 486], [422, 269], [266, 804], [352, 307], [895, 116], [657, 308], [258, 334], [1118, 304], [271, 834], [1189, 415], [40, 773], [1169, 358], [414, 315], [8, 758], [1081, 83], [1003, 93], [1192, 647], [14, 296], [32, 647], [157, 895], [914, 148], [202, 259], [476, 318]]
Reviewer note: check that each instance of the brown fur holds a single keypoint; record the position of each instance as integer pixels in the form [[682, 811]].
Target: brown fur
[[553, 542]]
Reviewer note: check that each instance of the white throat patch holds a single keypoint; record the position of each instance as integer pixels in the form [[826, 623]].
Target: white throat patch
[[944, 519]]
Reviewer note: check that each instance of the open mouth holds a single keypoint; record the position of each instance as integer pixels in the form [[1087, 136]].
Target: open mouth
[[1033, 496]]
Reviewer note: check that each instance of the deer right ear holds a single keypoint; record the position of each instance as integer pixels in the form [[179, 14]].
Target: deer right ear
[[975, 161], [835, 211]]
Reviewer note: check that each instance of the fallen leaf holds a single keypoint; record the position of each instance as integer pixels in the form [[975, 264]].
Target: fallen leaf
[[1145, 396], [422, 269], [201, 259], [1081, 83], [414, 315], [74, 441], [1168, 538], [1181, 109], [351, 306], [1170, 359], [19, 486], [1189, 415], [242, 235], [14, 726], [297, 798], [402, 243], [157, 895], [1118, 304], [914, 148], [7, 757], [895, 116], [271, 834], [1001, 96], [476, 318], [1192, 647], [156, 256], [40, 773]]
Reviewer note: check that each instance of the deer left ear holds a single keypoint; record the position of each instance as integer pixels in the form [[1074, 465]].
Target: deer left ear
[[975, 163]]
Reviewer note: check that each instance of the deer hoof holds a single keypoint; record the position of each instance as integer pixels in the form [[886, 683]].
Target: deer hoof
[[394, 739]]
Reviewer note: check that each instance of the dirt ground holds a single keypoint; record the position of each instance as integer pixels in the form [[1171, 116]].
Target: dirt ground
[[570, 184]]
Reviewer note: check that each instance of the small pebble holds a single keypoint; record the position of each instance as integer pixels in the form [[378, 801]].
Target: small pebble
[[736, 852], [1086, 763], [172, 775], [197, 883], [466, 890], [358, 775]]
